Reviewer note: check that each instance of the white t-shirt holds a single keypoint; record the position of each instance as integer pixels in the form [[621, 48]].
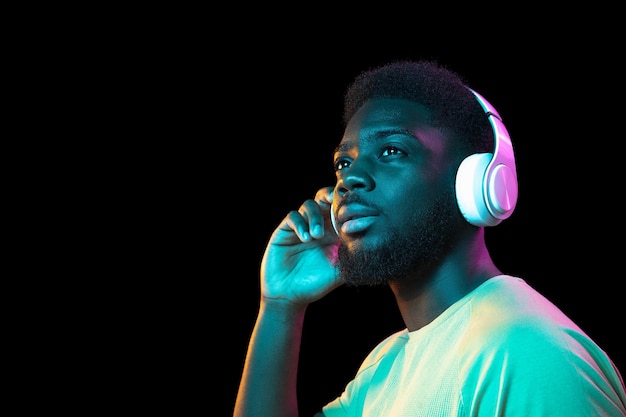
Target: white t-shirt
[[502, 350]]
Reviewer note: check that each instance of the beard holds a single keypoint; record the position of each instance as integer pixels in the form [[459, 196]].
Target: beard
[[412, 250]]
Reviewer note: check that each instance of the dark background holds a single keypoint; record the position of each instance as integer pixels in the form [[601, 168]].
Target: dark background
[[205, 127], [272, 107]]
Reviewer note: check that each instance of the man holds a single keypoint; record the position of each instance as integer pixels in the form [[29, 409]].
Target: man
[[424, 165]]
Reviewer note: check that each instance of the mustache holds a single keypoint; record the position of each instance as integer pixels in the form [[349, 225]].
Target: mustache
[[352, 198]]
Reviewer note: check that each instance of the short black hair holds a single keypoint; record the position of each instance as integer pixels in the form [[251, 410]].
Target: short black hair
[[443, 91]]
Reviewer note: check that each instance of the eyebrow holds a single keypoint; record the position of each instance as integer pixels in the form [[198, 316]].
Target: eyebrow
[[378, 135]]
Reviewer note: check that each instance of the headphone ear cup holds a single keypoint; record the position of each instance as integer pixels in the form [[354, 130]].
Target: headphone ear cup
[[470, 193]]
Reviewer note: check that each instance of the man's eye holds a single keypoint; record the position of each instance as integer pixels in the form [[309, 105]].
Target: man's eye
[[391, 150], [341, 164]]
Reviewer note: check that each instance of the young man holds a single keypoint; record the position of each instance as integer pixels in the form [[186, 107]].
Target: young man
[[424, 165]]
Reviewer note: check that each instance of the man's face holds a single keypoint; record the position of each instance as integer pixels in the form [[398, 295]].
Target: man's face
[[394, 201]]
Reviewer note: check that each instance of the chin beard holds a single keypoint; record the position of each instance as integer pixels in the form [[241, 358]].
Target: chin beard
[[411, 251]]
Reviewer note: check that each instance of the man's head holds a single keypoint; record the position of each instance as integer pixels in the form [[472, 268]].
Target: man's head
[[408, 126]]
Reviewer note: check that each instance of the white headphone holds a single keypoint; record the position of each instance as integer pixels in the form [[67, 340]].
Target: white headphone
[[486, 183]]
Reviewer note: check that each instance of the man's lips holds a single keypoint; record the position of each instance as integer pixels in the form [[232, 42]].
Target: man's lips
[[354, 218]]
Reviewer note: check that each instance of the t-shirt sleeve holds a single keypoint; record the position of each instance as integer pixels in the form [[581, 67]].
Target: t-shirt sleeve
[[532, 369]]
